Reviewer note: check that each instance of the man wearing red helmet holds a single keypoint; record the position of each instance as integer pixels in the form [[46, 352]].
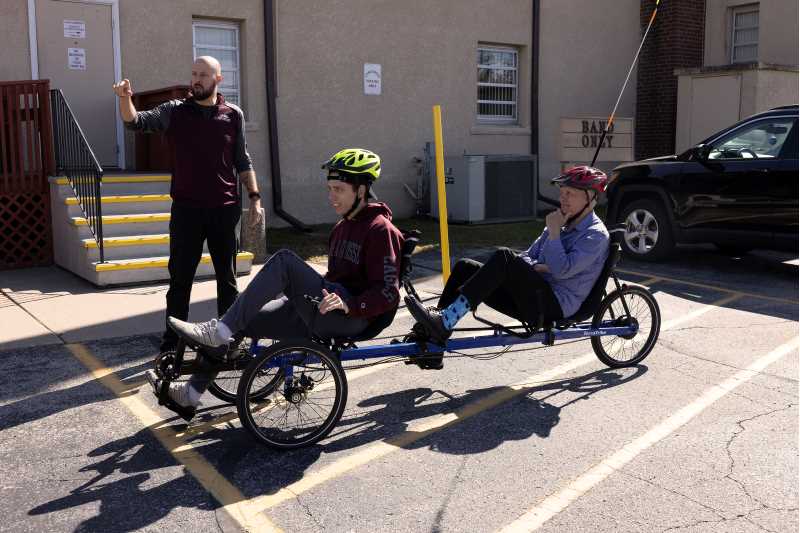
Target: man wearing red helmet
[[552, 277]]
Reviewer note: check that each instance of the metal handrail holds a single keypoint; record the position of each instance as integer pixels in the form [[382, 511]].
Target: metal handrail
[[76, 160]]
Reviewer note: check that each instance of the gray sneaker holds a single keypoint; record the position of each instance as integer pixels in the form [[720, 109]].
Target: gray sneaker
[[203, 334]]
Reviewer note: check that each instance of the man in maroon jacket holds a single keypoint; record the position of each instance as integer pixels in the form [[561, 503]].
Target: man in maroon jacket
[[362, 282], [207, 136]]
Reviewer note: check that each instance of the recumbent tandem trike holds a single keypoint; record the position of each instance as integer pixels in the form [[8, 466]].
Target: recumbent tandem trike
[[291, 394]]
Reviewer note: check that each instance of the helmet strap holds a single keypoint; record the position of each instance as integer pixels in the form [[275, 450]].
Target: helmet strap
[[358, 200], [590, 202]]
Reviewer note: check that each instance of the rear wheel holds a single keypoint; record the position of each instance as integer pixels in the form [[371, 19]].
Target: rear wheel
[[306, 397], [618, 351], [648, 234]]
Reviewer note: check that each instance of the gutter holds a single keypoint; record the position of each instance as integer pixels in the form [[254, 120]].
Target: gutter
[[535, 49], [272, 118]]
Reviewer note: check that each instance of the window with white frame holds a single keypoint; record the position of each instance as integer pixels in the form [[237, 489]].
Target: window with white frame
[[744, 40], [498, 82], [220, 40]]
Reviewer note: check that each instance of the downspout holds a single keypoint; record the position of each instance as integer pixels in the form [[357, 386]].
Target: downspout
[[535, 51], [272, 118]]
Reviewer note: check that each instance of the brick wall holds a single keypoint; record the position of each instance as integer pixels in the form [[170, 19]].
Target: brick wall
[[675, 41]]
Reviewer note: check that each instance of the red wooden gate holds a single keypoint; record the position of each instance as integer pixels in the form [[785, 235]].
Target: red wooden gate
[[26, 161]]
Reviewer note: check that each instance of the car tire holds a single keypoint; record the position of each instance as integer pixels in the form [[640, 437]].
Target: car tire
[[648, 233]]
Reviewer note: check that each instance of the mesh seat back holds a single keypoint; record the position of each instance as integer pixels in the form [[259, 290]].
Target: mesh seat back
[[592, 301]]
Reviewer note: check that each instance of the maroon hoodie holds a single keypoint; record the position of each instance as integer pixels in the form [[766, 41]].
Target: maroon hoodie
[[364, 256]]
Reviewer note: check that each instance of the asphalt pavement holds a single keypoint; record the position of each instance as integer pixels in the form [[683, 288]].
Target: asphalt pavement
[[701, 436]]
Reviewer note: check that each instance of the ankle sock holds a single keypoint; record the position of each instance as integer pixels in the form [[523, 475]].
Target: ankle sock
[[224, 333], [455, 312]]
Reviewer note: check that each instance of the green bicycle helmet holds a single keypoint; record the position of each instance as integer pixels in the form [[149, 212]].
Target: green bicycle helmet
[[354, 165]]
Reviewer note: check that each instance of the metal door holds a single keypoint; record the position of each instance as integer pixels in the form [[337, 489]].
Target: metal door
[[76, 52]]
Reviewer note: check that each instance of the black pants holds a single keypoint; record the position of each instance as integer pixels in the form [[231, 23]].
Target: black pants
[[189, 227], [505, 283]]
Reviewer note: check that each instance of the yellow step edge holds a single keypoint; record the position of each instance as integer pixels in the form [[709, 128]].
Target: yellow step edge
[[61, 180], [124, 219], [160, 262], [128, 198], [125, 199], [136, 240]]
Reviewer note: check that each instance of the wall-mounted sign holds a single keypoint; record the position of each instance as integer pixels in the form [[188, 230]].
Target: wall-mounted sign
[[372, 78], [76, 58], [580, 137], [74, 29]]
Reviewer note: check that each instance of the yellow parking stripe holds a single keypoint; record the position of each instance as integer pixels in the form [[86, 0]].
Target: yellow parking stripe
[[234, 502], [551, 506], [445, 420]]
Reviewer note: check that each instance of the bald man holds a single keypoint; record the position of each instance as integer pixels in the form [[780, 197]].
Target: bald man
[[206, 134]]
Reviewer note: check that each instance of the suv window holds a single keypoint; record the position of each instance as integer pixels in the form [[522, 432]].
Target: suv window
[[758, 140]]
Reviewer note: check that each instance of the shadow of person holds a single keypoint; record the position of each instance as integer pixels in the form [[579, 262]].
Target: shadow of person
[[513, 413], [128, 489], [128, 482]]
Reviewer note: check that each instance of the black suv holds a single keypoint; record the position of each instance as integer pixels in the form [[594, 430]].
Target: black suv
[[737, 189]]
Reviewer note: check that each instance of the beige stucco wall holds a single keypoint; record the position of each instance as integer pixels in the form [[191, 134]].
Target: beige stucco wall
[[158, 54], [776, 88], [777, 36], [16, 57], [586, 51], [427, 52], [711, 101]]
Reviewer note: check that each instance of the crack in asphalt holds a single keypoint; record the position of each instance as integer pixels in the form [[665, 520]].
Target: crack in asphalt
[[730, 475], [305, 508], [437, 524], [717, 512]]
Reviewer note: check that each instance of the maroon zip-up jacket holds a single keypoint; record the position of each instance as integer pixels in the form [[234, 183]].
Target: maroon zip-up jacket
[[364, 256]]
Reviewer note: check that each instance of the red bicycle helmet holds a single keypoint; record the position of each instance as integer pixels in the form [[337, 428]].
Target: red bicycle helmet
[[583, 177]]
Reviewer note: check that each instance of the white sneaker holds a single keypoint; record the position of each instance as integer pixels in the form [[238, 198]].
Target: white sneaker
[[179, 396], [205, 334]]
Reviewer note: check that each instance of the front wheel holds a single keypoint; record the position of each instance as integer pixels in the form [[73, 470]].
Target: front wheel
[[303, 406], [226, 383], [643, 313]]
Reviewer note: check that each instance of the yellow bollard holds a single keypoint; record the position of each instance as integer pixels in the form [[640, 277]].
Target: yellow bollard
[[437, 141]]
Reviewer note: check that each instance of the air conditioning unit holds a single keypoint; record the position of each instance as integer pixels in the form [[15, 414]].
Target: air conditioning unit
[[488, 188]]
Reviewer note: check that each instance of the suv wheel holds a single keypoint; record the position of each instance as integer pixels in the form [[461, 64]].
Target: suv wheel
[[648, 235]]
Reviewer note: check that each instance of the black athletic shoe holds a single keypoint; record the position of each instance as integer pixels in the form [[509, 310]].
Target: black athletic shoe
[[429, 360], [430, 319]]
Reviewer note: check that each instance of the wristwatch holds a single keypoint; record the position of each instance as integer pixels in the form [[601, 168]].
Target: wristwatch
[[254, 194]]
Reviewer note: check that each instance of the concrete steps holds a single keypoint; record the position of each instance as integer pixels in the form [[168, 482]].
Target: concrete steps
[[136, 214]]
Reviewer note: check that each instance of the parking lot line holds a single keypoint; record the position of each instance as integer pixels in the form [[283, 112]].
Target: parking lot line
[[712, 287], [233, 501], [559, 501], [445, 420], [222, 421]]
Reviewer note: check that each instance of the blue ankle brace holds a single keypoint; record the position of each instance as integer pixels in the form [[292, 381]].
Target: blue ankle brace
[[455, 311]]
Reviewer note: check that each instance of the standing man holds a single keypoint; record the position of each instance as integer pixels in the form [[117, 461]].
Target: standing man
[[209, 148]]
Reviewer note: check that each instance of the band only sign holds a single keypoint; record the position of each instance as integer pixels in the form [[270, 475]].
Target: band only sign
[[580, 137]]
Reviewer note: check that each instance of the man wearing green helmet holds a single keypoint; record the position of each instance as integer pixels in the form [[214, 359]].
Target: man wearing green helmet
[[361, 285]]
